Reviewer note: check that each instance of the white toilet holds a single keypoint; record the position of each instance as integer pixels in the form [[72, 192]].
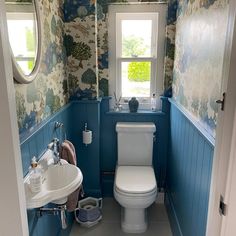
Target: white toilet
[[135, 185]]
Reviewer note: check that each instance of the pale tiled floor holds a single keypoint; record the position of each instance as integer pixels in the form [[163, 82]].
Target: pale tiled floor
[[110, 224]]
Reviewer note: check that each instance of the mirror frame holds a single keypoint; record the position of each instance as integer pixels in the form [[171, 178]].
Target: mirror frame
[[18, 74]]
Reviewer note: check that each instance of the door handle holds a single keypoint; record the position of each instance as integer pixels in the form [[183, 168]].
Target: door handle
[[221, 102]]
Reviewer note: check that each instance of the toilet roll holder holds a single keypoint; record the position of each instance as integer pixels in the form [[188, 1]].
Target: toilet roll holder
[[87, 135]]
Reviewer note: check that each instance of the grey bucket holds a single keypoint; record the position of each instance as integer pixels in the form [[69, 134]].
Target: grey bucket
[[88, 212]]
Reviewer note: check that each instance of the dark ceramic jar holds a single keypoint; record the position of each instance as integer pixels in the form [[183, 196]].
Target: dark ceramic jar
[[133, 104]]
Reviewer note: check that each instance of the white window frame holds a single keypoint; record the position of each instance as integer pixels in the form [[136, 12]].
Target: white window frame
[[118, 12]]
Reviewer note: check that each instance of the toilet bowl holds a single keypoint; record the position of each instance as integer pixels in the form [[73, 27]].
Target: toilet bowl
[[135, 187]]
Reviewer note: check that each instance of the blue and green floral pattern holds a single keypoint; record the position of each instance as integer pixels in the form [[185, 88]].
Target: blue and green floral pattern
[[200, 41], [86, 22], [48, 92]]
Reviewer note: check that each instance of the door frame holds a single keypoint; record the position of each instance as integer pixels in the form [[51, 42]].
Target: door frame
[[225, 134], [12, 204], [228, 222]]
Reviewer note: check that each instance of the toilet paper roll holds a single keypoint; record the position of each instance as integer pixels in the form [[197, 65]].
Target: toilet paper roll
[[87, 137]]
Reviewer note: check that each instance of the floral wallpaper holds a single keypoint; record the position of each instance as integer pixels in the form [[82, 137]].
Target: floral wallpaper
[[170, 47], [49, 91], [102, 43], [200, 40], [74, 61], [86, 22], [80, 41], [75, 57]]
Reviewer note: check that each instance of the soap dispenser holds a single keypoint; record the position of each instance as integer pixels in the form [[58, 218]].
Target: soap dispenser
[[35, 176]]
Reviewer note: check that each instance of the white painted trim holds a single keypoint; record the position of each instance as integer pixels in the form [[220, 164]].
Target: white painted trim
[[224, 133], [197, 124], [228, 222], [13, 208], [17, 72]]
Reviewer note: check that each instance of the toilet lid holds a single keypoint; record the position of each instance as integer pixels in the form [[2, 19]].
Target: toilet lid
[[135, 179]]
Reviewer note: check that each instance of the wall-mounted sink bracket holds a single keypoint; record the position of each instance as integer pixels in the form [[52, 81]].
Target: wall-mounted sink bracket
[[59, 210]]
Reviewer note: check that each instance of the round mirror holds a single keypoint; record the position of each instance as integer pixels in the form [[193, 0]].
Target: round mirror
[[24, 35]]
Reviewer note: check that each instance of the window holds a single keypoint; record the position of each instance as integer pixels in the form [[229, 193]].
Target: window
[[136, 51]]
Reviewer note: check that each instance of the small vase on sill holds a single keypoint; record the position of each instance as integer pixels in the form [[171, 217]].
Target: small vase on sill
[[133, 104]]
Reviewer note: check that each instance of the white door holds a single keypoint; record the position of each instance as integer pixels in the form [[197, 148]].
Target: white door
[[228, 222], [13, 219], [224, 132]]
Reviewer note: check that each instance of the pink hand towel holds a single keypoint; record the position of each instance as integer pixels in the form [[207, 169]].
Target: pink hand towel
[[67, 152]]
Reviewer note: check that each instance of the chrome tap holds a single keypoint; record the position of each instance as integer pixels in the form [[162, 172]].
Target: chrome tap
[[57, 159], [54, 146]]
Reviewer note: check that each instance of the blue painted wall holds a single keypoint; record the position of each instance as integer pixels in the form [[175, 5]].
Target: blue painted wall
[[87, 156], [108, 142], [34, 143], [189, 174], [96, 158]]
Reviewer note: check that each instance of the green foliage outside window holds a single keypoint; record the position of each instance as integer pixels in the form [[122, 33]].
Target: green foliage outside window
[[30, 65], [30, 45], [30, 40], [139, 71], [133, 46]]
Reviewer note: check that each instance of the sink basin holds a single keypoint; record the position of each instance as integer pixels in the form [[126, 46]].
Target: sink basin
[[59, 181], [60, 177]]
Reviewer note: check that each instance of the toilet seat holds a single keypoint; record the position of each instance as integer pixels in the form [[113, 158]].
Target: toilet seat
[[135, 195], [135, 180]]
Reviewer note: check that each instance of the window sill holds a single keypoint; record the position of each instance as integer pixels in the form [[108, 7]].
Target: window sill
[[138, 113]]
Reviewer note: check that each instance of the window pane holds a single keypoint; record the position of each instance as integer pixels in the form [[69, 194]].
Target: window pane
[[135, 79], [136, 38], [25, 55]]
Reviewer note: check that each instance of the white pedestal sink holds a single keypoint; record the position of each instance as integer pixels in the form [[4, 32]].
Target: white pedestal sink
[[59, 181]]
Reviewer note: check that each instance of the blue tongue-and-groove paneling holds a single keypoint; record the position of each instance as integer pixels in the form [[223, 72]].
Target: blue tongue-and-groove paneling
[[108, 142], [189, 174], [189, 161], [34, 143]]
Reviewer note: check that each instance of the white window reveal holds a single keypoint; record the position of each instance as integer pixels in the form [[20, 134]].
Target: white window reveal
[[136, 51]]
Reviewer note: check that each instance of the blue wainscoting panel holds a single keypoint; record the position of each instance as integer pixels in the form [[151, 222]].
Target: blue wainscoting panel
[[34, 143], [189, 174], [87, 156], [108, 142]]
